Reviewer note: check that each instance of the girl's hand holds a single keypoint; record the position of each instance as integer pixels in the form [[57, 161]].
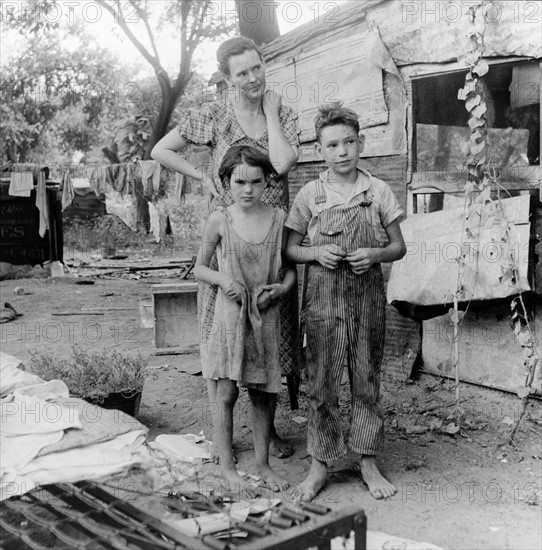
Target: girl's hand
[[233, 290], [362, 259], [329, 255], [271, 103], [268, 294]]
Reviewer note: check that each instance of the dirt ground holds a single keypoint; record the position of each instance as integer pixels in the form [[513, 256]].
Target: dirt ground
[[455, 491]]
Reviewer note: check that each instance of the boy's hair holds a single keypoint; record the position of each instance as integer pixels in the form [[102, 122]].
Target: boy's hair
[[243, 154], [234, 46], [334, 114]]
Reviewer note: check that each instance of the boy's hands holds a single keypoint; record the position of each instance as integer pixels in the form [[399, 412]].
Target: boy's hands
[[361, 259], [233, 290], [330, 255], [268, 294]]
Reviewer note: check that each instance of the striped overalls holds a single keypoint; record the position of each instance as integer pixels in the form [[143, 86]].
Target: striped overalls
[[345, 323]]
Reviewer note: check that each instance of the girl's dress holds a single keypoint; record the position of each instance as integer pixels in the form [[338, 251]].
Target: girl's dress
[[216, 126], [242, 344]]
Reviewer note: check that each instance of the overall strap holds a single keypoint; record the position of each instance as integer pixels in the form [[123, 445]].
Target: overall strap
[[320, 195]]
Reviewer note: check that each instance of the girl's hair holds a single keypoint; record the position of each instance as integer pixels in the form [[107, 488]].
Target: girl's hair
[[243, 154], [333, 115], [234, 46]]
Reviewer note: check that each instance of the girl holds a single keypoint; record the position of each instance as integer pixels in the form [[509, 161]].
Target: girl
[[241, 347]]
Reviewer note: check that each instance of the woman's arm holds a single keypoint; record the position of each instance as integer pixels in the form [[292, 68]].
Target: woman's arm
[[283, 156], [166, 152]]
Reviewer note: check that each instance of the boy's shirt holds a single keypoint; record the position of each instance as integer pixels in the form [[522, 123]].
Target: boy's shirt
[[303, 217]]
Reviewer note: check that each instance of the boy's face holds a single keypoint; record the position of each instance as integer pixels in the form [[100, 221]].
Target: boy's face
[[340, 146], [247, 185]]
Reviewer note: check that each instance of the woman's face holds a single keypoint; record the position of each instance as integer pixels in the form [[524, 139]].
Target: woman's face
[[247, 74]]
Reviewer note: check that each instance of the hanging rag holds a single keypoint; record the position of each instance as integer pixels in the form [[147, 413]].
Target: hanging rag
[[150, 176], [112, 173], [41, 203], [68, 191], [154, 218], [20, 184], [132, 173], [97, 180], [179, 195]]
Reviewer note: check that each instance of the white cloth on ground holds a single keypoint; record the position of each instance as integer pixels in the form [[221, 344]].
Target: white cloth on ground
[[83, 463]]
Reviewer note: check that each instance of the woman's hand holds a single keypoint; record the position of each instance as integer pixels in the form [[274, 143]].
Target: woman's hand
[[271, 103], [233, 290], [329, 255], [209, 184]]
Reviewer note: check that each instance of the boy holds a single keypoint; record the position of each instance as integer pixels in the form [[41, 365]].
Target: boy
[[342, 214]]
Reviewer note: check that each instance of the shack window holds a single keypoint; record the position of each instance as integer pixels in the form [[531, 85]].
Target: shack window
[[512, 92]]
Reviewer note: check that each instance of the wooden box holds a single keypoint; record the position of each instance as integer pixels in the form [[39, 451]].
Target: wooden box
[[176, 327]]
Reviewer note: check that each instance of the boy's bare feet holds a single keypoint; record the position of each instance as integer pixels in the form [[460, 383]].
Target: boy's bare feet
[[314, 482], [275, 482], [278, 447], [378, 485]]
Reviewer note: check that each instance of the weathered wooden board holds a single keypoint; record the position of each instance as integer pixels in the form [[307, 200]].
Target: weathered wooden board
[[488, 352], [175, 316], [357, 71]]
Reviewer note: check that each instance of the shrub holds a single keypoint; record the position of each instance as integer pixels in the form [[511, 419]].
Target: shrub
[[92, 374]]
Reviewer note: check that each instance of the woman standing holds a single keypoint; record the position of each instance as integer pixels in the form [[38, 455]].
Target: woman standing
[[250, 115]]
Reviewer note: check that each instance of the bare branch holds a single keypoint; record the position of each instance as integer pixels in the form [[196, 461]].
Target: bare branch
[[153, 61]]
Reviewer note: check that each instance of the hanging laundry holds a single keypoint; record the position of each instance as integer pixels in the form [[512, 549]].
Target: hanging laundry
[[97, 180], [154, 217], [132, 174], [179, 194], [150, 176], [41, 203], [112, 175], [68, 191], [20, 184]]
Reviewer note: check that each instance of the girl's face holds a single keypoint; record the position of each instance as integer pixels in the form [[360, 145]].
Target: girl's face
[[247, 74], [247, 184]]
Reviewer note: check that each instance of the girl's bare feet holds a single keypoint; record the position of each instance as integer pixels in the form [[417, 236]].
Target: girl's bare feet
[[240, 486], [314, 482], [272, 480], [378, 485], [278, 447]]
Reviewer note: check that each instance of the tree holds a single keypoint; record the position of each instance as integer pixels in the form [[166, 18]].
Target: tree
[[196, 22], [50, 95], [258, 21]]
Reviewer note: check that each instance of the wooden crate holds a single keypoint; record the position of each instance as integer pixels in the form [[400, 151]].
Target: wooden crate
[[176, 327]]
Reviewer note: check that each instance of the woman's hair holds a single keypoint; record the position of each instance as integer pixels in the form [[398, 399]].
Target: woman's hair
[[234, 46], [243, 154], [334, 114]]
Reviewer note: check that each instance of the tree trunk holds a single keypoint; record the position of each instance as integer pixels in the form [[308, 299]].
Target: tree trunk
[[258, 20]]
